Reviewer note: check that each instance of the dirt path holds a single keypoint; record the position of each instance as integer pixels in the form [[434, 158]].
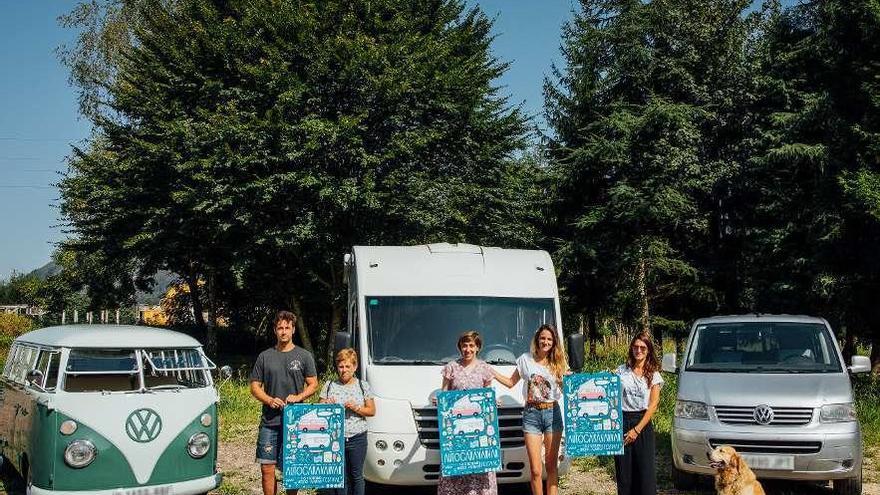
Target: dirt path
[[236, 459]]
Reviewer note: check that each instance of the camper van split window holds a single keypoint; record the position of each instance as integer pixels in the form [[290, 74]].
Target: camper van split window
[[406, 330], [93, 370], [175, 368]]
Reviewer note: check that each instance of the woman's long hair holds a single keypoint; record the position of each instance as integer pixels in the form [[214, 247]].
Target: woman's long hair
[[652, 364], [556, 356]]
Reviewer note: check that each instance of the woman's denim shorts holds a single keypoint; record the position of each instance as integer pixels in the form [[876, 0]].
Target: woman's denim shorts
[[540, 421]]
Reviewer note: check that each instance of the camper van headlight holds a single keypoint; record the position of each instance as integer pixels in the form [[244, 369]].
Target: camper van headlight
[[837, 413], [198, 445], [80, 453], [691, 410]]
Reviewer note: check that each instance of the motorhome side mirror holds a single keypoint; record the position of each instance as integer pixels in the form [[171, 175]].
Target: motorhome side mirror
[[860, 364], [341, 341], [576, 352], [669, 365], [226, 371], [35, 378]]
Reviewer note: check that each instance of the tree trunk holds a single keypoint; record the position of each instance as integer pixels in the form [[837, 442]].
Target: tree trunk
[[593, 332], [849, 343], [211, 324], [301, 327], [336, 314], [875, 353], [642, 288], [195, 298]]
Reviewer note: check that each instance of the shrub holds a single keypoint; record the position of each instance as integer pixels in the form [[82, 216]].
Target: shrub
[[12, 325]]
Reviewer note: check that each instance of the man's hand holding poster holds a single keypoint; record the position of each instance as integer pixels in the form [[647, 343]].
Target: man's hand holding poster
[[593, 424]]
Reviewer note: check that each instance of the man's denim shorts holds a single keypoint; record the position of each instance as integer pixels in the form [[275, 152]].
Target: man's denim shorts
[[269, 450], [540, 421]]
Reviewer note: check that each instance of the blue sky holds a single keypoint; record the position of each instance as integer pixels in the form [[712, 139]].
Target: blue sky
[[39, 120]]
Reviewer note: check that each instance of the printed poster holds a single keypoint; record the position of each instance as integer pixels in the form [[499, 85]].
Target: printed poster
[[593, 415], [314, 446], [469, 438]]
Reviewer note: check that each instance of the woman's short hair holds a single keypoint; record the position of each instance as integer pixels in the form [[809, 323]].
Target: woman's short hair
[[470, 336], [347, 354]]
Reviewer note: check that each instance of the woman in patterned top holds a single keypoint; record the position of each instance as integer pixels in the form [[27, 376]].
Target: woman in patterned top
[[541, 370], [465, 373], [357, 399]]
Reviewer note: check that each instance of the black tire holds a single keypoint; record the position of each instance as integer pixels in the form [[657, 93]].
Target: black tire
[[848, 486], [683, 480]]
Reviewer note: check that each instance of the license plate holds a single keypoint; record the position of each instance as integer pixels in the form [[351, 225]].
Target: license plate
[[146, 490], [770, 462]]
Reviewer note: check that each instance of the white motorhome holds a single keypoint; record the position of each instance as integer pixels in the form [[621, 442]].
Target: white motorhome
[[407, 307]]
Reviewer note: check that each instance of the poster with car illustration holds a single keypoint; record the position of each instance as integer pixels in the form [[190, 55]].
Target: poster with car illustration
[[593, 414], [314, 448], [469, 439]]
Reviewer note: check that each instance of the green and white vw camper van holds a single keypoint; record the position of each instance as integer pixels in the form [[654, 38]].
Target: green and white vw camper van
[[106, 409]]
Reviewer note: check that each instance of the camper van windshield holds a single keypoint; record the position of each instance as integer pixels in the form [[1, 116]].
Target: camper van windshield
[[99, 370], [424, 330], [763, 347]]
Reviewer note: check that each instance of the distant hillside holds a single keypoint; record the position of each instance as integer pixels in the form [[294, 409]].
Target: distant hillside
[[163, 279]]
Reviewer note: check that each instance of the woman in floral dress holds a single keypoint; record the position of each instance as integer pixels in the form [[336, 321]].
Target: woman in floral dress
[[465, 373]]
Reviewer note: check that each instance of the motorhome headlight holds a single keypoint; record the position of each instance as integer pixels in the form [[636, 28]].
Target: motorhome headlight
[[198, 445], [80, 453], [206, 419], [68, 427], [381, 445], [397, 445], [688, 409], [837, 413]]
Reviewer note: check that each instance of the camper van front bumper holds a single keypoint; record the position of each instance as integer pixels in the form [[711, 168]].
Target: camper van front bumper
[[191, 487]]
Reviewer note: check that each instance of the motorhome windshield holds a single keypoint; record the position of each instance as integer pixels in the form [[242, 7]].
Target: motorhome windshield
[[759, 347], [424, 330]]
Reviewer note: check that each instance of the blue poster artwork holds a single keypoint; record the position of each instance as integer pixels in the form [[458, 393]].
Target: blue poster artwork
[[469, 439], [314, 446], [593, 414]]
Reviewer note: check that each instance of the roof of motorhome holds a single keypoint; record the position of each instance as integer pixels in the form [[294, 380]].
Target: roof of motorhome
[[454, 270], [755, 317], [108, 336]]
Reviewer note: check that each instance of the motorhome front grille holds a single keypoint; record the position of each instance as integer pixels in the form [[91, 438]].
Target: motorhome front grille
[[782, 416], [509, 426], [768, 446]]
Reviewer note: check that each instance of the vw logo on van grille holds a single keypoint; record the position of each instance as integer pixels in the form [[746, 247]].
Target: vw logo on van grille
[[143, 425], [763, 414]]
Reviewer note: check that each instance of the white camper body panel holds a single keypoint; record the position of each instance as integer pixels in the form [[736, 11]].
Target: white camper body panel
[[404, 392]]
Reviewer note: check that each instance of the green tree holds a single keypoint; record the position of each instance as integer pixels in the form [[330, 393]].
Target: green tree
[[649, 116], [250, 144]]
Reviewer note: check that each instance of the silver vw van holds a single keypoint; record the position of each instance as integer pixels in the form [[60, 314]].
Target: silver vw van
[[116, 410], [776, 389]]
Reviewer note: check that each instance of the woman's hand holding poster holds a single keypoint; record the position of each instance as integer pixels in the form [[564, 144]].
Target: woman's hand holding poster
[[593, 413]]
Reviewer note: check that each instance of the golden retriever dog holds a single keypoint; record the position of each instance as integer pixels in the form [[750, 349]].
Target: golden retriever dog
[[732, 474]]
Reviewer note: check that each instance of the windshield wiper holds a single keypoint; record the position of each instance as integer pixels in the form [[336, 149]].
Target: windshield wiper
[[396, 361], [500, 361]]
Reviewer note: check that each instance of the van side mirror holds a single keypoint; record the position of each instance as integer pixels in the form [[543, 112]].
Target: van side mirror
[[341, 340], [575, 347], [860, 364], [226, 371], [35, 378], [669, 364]]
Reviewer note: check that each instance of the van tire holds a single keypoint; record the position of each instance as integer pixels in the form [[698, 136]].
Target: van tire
[[682, 480], [848, 486]]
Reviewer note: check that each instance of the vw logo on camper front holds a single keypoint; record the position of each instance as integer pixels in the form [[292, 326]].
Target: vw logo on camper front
[[763, 414], [143, 425]]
